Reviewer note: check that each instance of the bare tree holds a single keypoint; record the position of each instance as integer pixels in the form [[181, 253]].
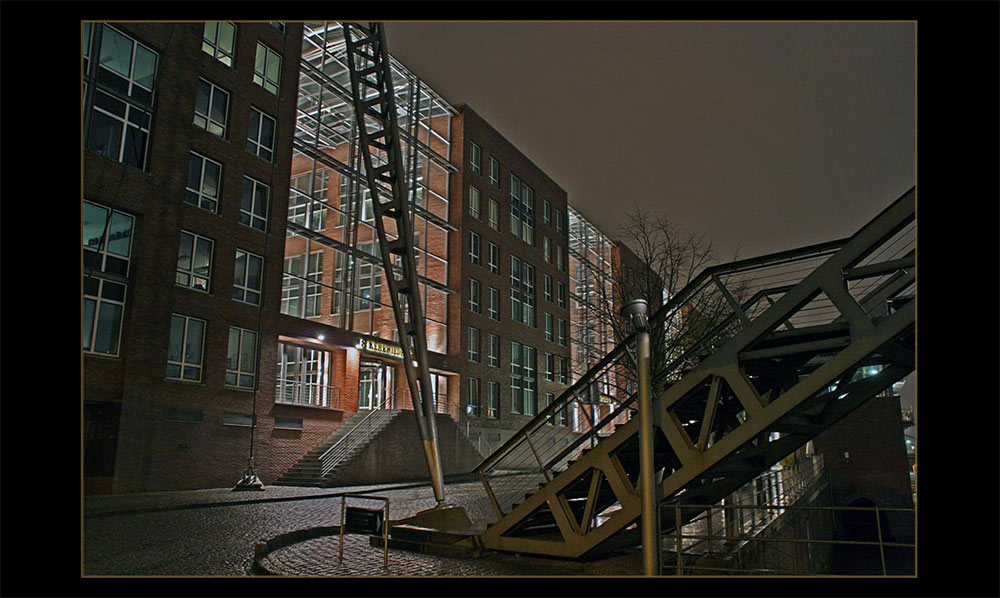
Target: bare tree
[[665, 258]]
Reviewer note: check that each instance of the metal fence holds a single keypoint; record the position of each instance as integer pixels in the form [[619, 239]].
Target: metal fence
[[313, 394], [760, 530]]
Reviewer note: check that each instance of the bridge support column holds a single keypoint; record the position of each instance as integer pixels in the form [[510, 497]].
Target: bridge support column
[[635, 310]]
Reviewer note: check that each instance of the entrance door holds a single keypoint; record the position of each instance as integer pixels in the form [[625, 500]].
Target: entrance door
[[374, 383]]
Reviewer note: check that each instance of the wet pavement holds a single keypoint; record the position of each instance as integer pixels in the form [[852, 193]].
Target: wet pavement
[[213, 533]]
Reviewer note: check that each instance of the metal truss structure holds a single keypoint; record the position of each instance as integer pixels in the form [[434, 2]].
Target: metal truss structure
[[372, 93], [797, 341]]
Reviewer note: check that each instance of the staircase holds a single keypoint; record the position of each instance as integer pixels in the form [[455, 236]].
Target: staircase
[[750, 361], [319, 467]]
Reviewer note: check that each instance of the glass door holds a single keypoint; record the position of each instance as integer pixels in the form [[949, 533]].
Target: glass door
[[374, 384]]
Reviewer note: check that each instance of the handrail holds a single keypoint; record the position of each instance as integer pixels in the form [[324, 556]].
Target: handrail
[[725, 299], [319, 395], [341, 446], [672, 305]]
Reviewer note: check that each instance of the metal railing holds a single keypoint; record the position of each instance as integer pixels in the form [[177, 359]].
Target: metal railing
[[357, 435], [313, 394], [713, 542], [715, 306]]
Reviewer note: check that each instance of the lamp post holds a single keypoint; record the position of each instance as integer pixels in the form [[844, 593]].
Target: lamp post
[[635, 311]]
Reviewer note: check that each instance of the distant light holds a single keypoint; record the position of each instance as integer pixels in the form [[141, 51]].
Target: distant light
[[321, 337]]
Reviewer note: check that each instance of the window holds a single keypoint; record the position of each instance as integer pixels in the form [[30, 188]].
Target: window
[[560, 263], [550, 366], [247, 279], [304, 377], [301, 273], [218, 41], [563, 370], [522, 292], [522, 379], [493, 350], [546, 211], [493, 400], [474, 249], [547, 250], [494, 258], [267, 68], [203, 182], [211, 108], [494, 171], [279, 25], [194, 261], [107, 248], [119, 104], [549, 397], [241, 358], [473, 344], [561, 294], [369, 279], [254, 204], [547, 287], [494, 216], [476, 158], [301, 210], [562, 332], [548, 327], [559, 220], [474, 296], [493, 307], [473, 397], [474, 203], [522, 210], [260, 135], [187, 336]]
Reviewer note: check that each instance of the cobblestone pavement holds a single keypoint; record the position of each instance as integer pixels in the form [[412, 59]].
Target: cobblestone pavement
[[208, 538]]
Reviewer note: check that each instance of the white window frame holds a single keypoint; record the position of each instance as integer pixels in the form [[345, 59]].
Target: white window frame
[[475, 248], [495, 171], [473, 347], [260, 71], [257, 146], [215, 49], [242, 291], [205, 121], [184, 363], [248, 214], [476, 157], [494, 214], [472, 397], [241, 371], [494, 258], [475, 200], [193, 277], [492, 350], [493, 305], [203, 200], [474, 295]]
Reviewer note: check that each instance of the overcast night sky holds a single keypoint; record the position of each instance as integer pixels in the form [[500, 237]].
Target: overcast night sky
[[762, 136]]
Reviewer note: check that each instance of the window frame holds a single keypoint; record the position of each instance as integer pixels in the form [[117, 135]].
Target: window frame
[[239, 372], [216, 46], [473, 349], [183, 363], [200, 196], [475, 203], [475, 248], [243, 287], [190, 272], [208, 118], [476, 157], [250, 214], [472, 396], [475, 288], [257, 146], [260, 75]]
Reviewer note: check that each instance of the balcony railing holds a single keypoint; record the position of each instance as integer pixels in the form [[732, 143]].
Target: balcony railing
[[311, 394]]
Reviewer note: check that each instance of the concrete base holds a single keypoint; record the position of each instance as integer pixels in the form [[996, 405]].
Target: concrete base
[[445, 518], [249, 482]]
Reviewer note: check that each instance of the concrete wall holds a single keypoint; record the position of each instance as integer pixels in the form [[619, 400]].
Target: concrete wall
[[396, 455]]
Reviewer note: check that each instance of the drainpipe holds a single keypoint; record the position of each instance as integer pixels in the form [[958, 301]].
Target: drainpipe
[[635, 311]]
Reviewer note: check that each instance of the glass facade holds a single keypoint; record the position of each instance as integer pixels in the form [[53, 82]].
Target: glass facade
[[330, 212]]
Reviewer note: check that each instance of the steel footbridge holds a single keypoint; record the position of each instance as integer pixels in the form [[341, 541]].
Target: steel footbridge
[[750, 361]]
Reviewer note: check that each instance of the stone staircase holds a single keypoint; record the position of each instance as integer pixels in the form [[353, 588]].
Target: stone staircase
[[308, 470]]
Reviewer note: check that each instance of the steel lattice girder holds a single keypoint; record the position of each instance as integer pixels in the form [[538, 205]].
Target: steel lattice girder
[[867, 338]]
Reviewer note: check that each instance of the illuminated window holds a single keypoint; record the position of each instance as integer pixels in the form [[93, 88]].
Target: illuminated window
[[241, 358], [194, 262]]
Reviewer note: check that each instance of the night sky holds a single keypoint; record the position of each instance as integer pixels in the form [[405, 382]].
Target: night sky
[[762, 136]]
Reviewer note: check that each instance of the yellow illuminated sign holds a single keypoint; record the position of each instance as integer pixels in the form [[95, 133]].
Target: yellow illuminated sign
[[382, 348]]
